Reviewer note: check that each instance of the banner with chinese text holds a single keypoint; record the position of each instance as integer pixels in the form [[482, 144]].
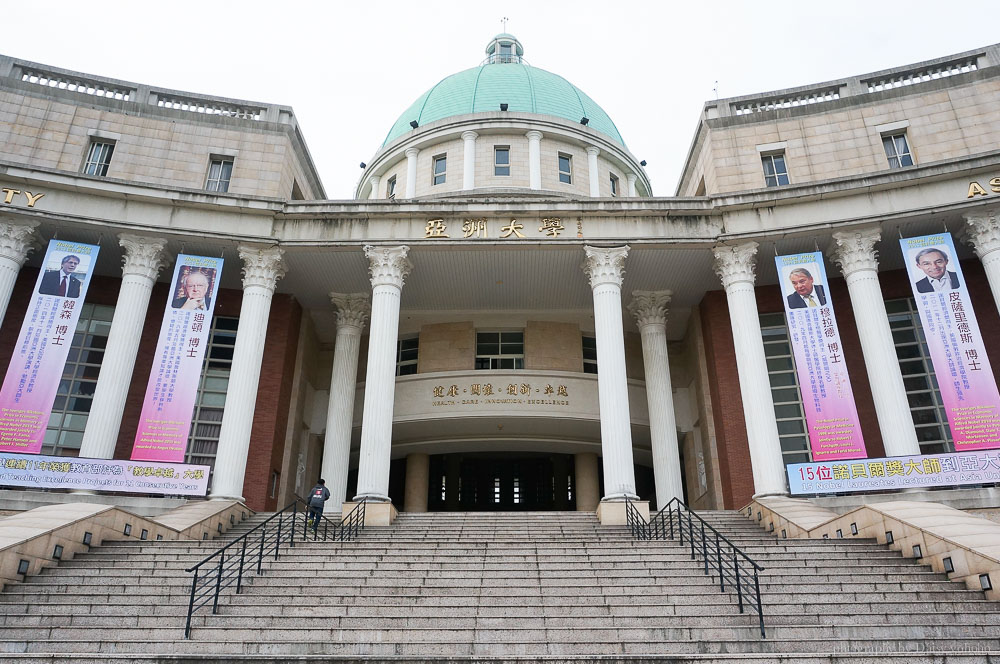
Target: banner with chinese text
[[36, 366], [956, 347], [165, 421], [830, 412], [50, 472], [953, 469]]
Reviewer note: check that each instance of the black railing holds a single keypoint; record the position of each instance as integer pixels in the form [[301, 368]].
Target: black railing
[[722, 559], [247, 553]]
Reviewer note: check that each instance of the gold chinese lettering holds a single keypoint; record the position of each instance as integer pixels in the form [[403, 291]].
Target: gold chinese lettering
[[474, 388], [487, 389], [525, 388], [512, 390], [552, 226], [513, 228], [439, 391], [475, 227], [435, 228], [548, 389], [453, 391], [562, 391]]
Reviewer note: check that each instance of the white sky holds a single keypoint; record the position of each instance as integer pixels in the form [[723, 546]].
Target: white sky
[[350, 70]]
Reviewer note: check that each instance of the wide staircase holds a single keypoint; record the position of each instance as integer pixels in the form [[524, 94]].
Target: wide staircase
[[511, 587]]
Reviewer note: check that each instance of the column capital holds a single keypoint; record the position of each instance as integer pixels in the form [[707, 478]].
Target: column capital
[[735, 263], [631, 178], [982, 231], [593, 151], [262, 266], [17, 239], [855, 250], [411, 152], [144, 256], [649, 307], [388, 265], [533, 135], [353, 309], [605, 266], [469, 135]]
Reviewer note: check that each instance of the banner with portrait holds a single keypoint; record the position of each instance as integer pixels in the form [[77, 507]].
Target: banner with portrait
[[827, 399], [963, 371], [36, 366], [172, 389]]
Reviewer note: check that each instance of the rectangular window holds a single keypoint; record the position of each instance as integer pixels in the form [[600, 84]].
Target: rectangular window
[[775, 172], [220, 171], [79, 381], [590, 355], [565, 168], [922, 393], [98, 158], [897, 150], [207, 422], [440, 168], [792, 432], [499, 350], [406, 356], [614, 185], [501, 160], [390, 187]]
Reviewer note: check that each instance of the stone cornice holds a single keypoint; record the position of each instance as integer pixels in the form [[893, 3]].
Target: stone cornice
[[605, 266], [144, 256], [262, 267], [388, 265], [353, 309], [735, 263], [650, 307], [855, 250]]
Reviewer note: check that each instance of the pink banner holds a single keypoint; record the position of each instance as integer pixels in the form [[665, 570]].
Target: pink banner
[[963, 371], [830, 412], [36, 367], [165, 423]]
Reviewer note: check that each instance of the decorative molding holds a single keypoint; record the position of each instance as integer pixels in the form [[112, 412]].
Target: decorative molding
[[411, 153], [388, 265], [17, 240], [855, 250], [982, 231], [469, 135], [735, 263], [262, 267], [353, 309], [649, 307], [144, 256], [533, 135], [605, 266], [593, 151]]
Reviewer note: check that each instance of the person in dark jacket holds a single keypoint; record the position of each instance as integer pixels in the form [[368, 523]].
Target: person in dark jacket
[[318, 496]]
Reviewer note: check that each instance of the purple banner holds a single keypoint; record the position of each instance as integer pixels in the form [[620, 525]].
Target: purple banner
[[961, 366], [51, 472], [827, 399], [165, 422], [36, 366], [954, 469]]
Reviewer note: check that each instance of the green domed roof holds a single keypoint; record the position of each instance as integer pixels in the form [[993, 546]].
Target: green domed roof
[[523, 88]]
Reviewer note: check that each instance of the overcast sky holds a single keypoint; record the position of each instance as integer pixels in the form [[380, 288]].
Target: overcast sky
[[349, 70]]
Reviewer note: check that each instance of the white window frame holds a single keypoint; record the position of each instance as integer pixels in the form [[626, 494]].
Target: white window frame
[[443, 175], [567, 174], [409, 361], [497, 166], [100, 152], [614, 184], [500, 358], [891, 144], [768, 158], [390, 187], [215, 182]]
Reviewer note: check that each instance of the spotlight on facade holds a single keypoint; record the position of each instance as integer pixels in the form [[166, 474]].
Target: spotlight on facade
[[414, 124], [364, 165], [642, 163], [503, 107], [585, 121]]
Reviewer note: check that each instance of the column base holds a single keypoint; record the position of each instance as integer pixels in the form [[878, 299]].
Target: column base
[[770, 494], [612, 512], [376, 513], [219, 496]]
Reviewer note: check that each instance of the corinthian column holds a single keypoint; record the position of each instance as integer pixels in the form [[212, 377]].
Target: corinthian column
[[16, 240], [389, 267], [735, 267], [261, 270], [605, 268], [856, 255], [650, 311], [143, 259], [352, 312], [983, 233]]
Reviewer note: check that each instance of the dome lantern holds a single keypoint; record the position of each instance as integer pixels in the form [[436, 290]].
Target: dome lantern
[[504, 49]]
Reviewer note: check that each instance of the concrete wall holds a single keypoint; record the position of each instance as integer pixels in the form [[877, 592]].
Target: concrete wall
[[554, 346], [446, 347]]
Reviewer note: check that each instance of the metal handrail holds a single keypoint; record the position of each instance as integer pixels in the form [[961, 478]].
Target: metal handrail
[[721, 557], [277, 529]]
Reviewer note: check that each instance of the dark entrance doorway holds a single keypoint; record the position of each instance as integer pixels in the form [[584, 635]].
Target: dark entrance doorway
[[501, 482]]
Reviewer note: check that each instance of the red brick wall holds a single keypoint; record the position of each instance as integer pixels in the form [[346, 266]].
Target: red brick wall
[[731, 436]]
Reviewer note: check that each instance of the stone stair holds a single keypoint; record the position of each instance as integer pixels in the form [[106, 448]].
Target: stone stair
[[512, 587]]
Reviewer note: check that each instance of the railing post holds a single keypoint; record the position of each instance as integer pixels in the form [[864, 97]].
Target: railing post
[[239, 579], [704, 547], [670, 513], [680, 524], [277, 540], [739, 584], [760, 609], [260, 554], [194, 586], [691, 534], [718, 554], [291, 529], [218, 582]]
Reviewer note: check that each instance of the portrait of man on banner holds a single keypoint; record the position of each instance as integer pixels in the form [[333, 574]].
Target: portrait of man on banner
[[65, 273], [932, 262], [193, 288], [802, 290]]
